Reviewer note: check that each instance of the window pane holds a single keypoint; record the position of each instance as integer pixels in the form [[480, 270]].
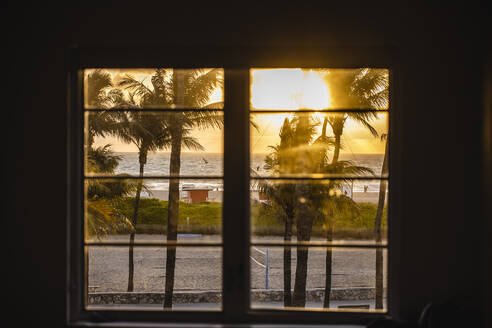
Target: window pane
[[154, 88], [317, 144], [322, 88], [352, 272], [317, 210], [130, 142], [197, 278], [110, 209]]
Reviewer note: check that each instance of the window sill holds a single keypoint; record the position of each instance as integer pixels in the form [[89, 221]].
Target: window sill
[[197, 325]]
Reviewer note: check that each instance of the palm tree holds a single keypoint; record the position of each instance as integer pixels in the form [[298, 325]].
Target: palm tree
[[377, 227], [362, 88], [293, 155], [185, 89], [305, 128], [102, 196], [99, 122], [280, 161], [331, 205], [359, 88], [147, 133], [297, 154]]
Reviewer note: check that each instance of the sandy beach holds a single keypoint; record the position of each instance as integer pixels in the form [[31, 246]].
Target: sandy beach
[[216, 196], [199, 269]]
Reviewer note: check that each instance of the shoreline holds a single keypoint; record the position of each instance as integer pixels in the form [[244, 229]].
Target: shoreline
[[216, 196]]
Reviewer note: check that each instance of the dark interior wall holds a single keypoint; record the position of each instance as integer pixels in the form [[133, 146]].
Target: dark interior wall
[[441, 70]]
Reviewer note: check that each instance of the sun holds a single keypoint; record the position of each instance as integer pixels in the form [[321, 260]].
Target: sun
[[288, 89]]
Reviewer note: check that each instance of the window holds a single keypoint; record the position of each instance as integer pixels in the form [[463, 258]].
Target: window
[[232, 190]]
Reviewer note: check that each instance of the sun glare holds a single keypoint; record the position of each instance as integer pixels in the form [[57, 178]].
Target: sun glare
[[296, 89], [289, 89]]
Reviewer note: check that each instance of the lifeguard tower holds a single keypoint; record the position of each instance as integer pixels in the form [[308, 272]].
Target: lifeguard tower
[[195, 194]]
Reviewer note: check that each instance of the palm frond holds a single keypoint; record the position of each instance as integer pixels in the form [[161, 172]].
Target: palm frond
[[130, 83], [191, 143], [364, 120], [97, 81], [200, 85]]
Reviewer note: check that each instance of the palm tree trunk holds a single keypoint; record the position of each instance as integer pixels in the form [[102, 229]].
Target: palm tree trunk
[[174, 171], [304, 227], [287, 262], [377, 231], [173, 214], [328, 265], [304, 217], [323, 130], [329, 235], [142, 161], [336, 152]]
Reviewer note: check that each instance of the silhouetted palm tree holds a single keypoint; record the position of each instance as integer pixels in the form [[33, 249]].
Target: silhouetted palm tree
[[332, 204], [357, 88], [184, 89], [99, 122], [298, 154], [304, 132], [146, 131], [102, 196], [282, 195], [383, 184], [102, 217]]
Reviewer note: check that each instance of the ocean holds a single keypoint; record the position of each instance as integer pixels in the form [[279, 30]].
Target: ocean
[[203, 164]]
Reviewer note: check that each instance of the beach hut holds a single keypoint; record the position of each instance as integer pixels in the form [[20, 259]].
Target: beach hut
[[196, 194]]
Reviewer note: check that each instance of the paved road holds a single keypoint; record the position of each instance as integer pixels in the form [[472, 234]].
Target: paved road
[[199, 269]]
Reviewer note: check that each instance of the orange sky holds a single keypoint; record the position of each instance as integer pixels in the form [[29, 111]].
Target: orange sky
[[287, 89]]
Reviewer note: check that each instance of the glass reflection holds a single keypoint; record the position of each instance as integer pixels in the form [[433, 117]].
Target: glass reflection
[[321, 88], [153, 88]]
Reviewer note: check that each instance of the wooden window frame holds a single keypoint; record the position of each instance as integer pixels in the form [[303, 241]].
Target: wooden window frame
[[236, 62]]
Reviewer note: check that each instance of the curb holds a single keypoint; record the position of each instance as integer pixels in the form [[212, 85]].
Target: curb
[[190, 297]]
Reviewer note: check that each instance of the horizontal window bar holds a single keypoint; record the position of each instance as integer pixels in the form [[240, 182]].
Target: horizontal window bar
[[320, 244], [261, 111], [154, 109], [196, 177], [152, 244], [271, 311], [328, 110], [324, 177], [155, 177]]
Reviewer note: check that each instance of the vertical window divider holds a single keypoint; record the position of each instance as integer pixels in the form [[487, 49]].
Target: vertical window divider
[[236, 206], [394, 199], [75, 190]]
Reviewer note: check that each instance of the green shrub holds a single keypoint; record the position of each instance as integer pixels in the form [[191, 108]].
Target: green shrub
[[206, 218], [154, 211]]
